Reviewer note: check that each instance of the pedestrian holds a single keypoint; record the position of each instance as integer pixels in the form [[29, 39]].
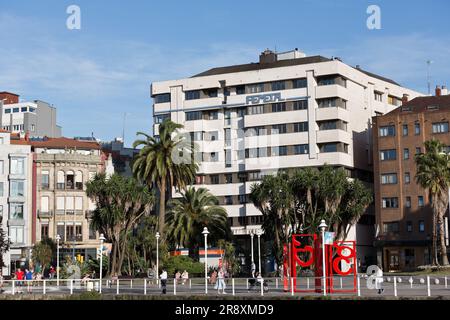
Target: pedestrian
[[221, 278], [379, 280], [177, 277], [213, 279], [185, 277], [163, 278], [29, 279], [253, 267], [51, 272], [19, 277]]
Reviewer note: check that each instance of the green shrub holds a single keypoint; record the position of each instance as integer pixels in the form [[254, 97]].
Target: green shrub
[[181, 263]]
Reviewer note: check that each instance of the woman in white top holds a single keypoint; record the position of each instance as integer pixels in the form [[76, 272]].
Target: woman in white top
[[221, 281]]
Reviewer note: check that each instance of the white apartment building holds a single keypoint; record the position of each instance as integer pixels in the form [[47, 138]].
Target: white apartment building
[[15, 199], [286, 111], [38, 118]]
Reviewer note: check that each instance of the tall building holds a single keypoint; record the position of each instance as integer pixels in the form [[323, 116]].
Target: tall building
[[38, 118], [15, 198], [61, 168], [286, 111], [403, 212]]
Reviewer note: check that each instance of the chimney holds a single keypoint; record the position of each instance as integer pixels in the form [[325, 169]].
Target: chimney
[[438, 91], [404, 98], [444, 91], [267, 56]]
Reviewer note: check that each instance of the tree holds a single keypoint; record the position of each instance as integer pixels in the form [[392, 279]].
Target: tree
[[120, 203], [229, 259], [433, 174], [188, 215], [43, 253], [167, 161], [4, 244]]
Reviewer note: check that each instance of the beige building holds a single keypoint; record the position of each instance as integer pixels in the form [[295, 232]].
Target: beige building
[[62, 168]]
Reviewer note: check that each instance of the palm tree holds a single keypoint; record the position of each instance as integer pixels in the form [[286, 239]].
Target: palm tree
[[167, 161], [188, 215], [433, 174]]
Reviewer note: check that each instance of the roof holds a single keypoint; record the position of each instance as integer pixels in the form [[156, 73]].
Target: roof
[[7, 92], [62, 142], [278, 64], [421, 104]]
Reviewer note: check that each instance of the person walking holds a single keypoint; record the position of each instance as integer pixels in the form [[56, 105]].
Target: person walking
[[253, 267], [213, 279], [221, 278], [29, 279], [163, 278], [177, 277], [185, 277], [379, 280]]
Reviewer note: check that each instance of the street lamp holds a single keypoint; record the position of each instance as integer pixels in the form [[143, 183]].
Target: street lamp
[[58, 238], [102, 238], [258, 233], [322, 228], [157, 257], [205, 233], [252, 234]]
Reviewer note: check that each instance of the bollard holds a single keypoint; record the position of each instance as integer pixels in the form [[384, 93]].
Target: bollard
[[445, 280], [44, 288], [341, 281], [246, 280], [71, 286], [174, 287], [359, 286], [262, 287], [307, 282], [131, 284], [117, 286], [190, 284], [13, 287], [232, 285], [292, 286], [428, 286], [395, 286], [276, 283], [145, 286]]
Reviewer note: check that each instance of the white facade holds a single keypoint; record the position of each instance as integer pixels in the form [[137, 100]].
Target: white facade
[[15, 199], [322, 109]]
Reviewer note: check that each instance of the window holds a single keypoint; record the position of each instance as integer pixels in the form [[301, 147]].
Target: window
[[7, 110], [229, 178], [44, 204], [44, 231], [278, 85], [17, 188], [325, 81], [327, 103], [196, 136], [79, 180], [240, 90], [212, 136], [407, 178], [17, 165], [255, 109], [32, 109], [329, 147], [256, 88], [193, 115], [387, 131], [214, 115], [389, 178], [161, 98], [389, 202], [391, 227], [421, 226], [405, 154], [405, 129], [388, 154], [417, 128], [440, 127], [300, 126], [92, 233], [160, 118], [23, 109], [15, 110], [420, 201], [300, 105], [2, 167], [214, 179], [279, 151], [301, 149], [214, 156], [279, 129], [242, 198], [299, 83], [418, 150], [227, 158], [378, 96], [409, 226], [33, 127], [211, 93], [16, 211], [228, 200], [408, 202], [279, 107], [1, 189], [16, 234], [60, 180], [192, 95]]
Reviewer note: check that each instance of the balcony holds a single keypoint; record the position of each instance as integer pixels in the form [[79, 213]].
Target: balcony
[[45, 214]]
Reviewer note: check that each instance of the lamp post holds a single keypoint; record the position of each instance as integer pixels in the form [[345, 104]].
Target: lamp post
[[252, 234], [102, 238], [58, 238], [322, 228], [258, 233], [157, 257], [205, 233]]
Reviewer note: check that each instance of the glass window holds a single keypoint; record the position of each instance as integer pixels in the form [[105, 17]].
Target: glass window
[[408, 202], [16, 234], [1, 166], [228, 200], [417, 128], [279, 129], [161, 98], [242, 198], [256, 88], [278, 85], [240, 89], [214, 156], [279, 107], [196, 136], [160, 118], [327, 103], [212, 93], [214, 179], [192, 95], [32, 109], [300, 126], [7, 110], [300, 105], [409, 226], [227, 158], [193, 115], [23, 109], [420, 201], [388, 154], [378, 96], [17, 165], [301, 149], [391, 227], [299, 83], [407, 178], [228, 178], [390, 202], [17, 188], [214, 115], [421, 226], [418, 150], [440, 127], [387, 131], [15, 110], [389, 178], [16, 211], [44, 231], [405, 154], [328, 147], [1, 189], [255, 109], [405, 129]]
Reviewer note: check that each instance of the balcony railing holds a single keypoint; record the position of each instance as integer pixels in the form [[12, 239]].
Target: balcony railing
[[45, 214]]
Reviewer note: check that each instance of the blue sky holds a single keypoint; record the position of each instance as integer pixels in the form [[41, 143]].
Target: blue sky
[[95, 74]]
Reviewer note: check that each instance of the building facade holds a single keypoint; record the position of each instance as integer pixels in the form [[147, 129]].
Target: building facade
[[62, 167], [38, 118], [287, 111], [403, 211], [15, 199]]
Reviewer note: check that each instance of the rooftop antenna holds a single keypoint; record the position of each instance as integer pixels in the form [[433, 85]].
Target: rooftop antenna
[[123, 128], [429, 62]]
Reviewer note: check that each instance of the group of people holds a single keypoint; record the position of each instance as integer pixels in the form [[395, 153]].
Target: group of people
[[217, 279], [26, 276], [179, 277]]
